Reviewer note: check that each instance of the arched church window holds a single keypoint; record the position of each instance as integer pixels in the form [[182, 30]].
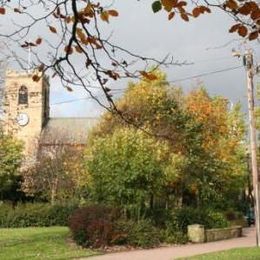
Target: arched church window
[[23, 96]]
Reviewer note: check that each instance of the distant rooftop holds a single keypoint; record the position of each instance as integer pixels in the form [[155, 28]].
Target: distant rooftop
[[67, 130]]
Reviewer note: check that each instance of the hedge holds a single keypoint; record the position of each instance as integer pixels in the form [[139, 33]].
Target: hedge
[[34, 215]]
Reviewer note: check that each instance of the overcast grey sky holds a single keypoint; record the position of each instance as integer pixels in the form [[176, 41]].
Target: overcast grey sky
[[148, 34]]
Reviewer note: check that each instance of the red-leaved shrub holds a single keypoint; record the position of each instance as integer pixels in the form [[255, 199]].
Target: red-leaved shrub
[[93, 225]]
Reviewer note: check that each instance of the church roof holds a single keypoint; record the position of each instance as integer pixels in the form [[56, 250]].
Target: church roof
[[67, 131]]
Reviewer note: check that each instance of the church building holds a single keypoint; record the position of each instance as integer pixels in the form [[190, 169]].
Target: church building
[[26, 115]]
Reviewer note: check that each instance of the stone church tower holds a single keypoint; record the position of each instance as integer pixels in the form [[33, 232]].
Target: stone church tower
[[26, 109]]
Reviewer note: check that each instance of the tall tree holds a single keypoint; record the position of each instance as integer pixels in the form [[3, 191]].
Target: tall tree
[[204, 138]]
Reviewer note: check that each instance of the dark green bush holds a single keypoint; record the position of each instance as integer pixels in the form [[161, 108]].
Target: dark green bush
[[143, 234], [172, 234], [183, 217], [139, 234], [35, 215]]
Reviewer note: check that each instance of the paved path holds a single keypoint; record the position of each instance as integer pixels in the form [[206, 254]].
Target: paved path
[[173, 252]]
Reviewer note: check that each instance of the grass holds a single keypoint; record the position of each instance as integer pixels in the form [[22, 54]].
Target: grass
[[252, 253], [39, 243]]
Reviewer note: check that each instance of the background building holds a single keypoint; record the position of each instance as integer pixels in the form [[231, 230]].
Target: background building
[[26, 110]]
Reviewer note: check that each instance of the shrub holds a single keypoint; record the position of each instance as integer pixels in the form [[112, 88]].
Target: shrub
[[215, 220], [236, 218], [93, 225], [35, 214], [188, 216], [172, 234], [144, 234]]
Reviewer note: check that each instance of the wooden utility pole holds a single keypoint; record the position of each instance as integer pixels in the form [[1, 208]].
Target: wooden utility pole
[[248, 62]]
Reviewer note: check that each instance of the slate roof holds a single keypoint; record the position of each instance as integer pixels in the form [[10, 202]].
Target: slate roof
[[67, 131]]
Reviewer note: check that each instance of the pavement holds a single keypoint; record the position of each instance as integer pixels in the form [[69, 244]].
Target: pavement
[[173, 252]]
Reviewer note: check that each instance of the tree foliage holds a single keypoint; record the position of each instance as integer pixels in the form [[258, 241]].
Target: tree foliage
[[10, 161], [127, 168], [199, 139], [57, 176]]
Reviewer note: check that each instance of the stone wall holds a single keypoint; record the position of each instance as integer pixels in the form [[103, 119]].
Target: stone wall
[[222, 233], [198, 234]]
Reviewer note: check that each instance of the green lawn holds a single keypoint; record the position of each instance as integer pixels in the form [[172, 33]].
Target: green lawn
[[38, 243], [252, 253]]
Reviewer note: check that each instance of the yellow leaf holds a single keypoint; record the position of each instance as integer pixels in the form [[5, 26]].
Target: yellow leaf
[[167, 4]]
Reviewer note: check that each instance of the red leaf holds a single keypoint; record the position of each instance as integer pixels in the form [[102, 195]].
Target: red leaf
[[196, 11], [185, 17], [2, 10], [242, 31], [234, 27], [171, 15], [253, 35]]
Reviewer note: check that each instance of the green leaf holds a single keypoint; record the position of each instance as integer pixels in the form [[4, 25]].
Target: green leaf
[[156, 6]]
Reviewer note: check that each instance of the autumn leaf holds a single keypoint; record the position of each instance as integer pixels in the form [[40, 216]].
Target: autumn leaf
[[196, 12], [104, 16], [52, 29], [2, 10], [167, 4], [253, 35], [204, 9], [36, 78], [17, 10], [185, 17], [113, 12], [68, 49], [78, 49], [231, 4], [242, 31], [255, 15], [234, 27], [245, 9], [39, 41], [171, 15], [69, 88], [147, 75]]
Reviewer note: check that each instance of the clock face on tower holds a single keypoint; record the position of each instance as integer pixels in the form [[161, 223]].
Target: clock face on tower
[[22, 119]]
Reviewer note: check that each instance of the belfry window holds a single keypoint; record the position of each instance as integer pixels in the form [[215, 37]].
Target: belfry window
[[23, 96]]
